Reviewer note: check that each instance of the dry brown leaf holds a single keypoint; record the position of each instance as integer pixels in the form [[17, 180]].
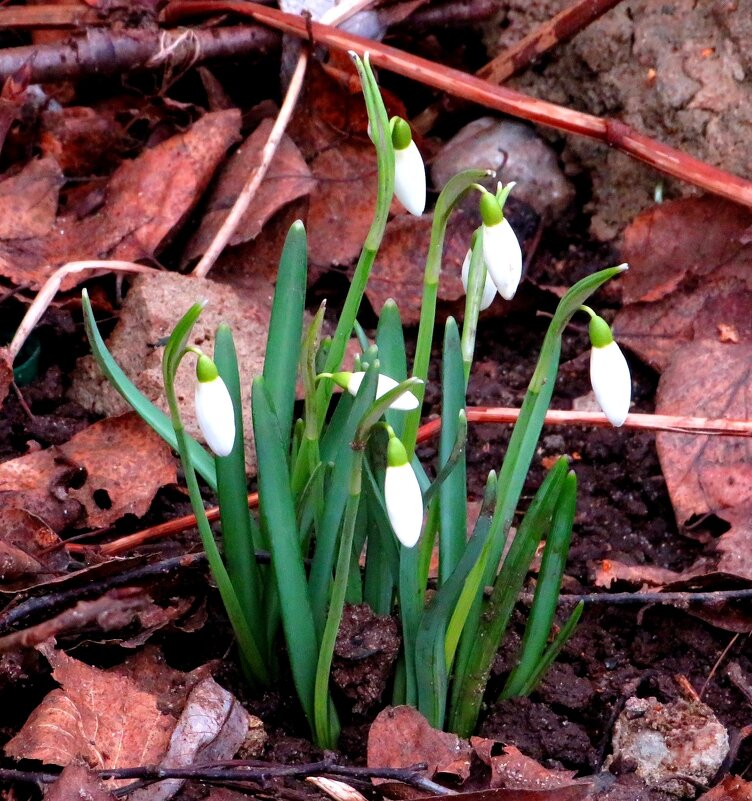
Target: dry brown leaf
[[98, 716], [28, 547], [732, 788], [145, 202], [211, 728], [690, 277], [77, 781], [400, 264], [288, 179], [400, 737], [706, 474], [6, 373], [512, 770], [28, 200], [101, 471], [342, 204]]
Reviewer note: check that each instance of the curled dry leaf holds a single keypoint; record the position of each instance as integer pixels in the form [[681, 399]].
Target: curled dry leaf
[[707, 474], [288, 179], [94, 478], [78, 781]]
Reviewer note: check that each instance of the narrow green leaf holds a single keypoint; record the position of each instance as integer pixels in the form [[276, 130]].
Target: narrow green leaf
[[547, 590], [286, 326], [155, 418], [277, 510], [390, 340], [453, 489]]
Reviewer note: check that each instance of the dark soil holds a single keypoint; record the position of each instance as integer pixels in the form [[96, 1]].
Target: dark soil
[[623, 513]]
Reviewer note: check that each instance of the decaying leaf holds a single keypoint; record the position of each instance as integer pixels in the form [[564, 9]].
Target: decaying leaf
[[400, 264], [28, 547], [211, 728], [98, 716], [707, 474], [607, 571], [400, 737], [94, 478], [144, 204], [732, 788], [343, 202], [78, 781], [28, 200], [689, 277], [288, 178]]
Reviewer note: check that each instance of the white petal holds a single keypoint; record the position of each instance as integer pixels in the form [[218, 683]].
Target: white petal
[[405, 402], [404, 503], [410, 179], [503, 257], [489, 288], [612, 383], [215, 415]]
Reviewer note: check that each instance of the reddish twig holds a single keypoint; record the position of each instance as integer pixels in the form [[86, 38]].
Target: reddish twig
[[108, 52], [514, 59], [50, 16], [475, 414], [612, 132]]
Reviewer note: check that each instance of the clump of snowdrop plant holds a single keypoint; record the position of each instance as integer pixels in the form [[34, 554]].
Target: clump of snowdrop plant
[[342, 482]]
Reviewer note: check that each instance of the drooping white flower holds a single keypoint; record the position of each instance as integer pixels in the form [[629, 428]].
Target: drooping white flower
[[489, 288], [409, 171], [501, 250], [609, 373], [402, 495], [214, 410], [352, 381]]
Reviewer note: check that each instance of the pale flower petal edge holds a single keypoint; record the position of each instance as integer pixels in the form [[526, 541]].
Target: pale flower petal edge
[[410, 179], [404, 503], [489, 288], [611, 381], [215, 415]]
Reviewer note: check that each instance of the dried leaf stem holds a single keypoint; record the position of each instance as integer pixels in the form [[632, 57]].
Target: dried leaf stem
[[611, 132]]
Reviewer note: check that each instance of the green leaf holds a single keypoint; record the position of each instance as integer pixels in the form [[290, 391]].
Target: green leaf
[[154, 417], [390, 340], [286, 326]]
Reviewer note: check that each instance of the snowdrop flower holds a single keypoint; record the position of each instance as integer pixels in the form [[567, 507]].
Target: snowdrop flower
[[489, 288], [609, 372], [501, 250], [409, 172], [352, 381], [402, 495], [214, 409]]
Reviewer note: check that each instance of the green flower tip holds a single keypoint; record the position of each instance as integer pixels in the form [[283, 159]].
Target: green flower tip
[[490, 211], [401, 135], [396, 455], [342, 379], [206, 370], [600, 332]]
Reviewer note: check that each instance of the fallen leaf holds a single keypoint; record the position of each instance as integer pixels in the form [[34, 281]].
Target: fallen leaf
[[512, 770], [288, 178], [732, 788], [94, 478], [145, 202], [400, 737], [343, 202], [28, 200], [78, 781], [689, 274], [734, 547], [28, 547], [6, 373], [98, 716], [705, 474], [211, 728], [400, 263]]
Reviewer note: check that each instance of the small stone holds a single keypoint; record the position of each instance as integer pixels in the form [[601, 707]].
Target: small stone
[[670, 743], [490, 143]]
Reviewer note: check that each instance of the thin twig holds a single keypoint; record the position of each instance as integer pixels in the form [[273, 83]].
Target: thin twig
[[612, 132], [50, 16], [51, 287], [335, 15], [560, 28]]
